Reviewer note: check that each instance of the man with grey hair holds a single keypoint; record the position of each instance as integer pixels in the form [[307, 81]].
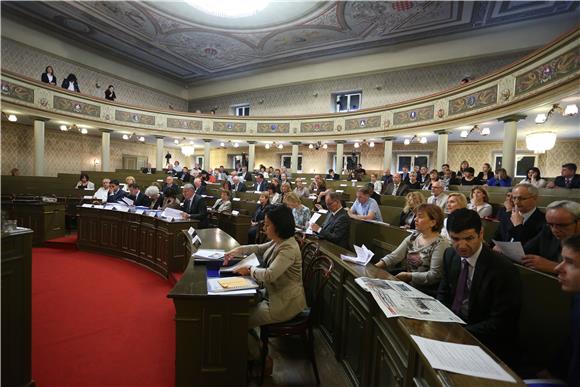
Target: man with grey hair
[[336, 226], [102, 193], [524, 221], [194, 206], [437, 196], [237, 186], [543, 252], [199, 186]]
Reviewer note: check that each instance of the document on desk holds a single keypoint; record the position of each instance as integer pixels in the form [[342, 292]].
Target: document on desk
[[512, 250], [250, 261], [363, 256], [209, 254], [128, 201], [219, 286], [403, 288], [463, 359], [87, 205], [172, 213]]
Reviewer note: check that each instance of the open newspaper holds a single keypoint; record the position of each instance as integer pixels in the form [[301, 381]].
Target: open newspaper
[[398, 299]]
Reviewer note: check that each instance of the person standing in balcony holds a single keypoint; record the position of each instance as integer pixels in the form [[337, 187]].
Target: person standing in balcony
[[48, 76], [71, 84], [110, 93]]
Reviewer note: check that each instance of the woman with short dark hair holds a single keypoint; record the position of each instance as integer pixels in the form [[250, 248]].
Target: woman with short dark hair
[[110, 93], [534, 178], [85, 183], [70, 83]]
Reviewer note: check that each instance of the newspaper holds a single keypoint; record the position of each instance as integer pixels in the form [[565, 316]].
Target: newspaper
[[400, 287]]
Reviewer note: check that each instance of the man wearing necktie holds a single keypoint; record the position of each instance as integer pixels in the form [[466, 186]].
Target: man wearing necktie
[[568, 179], [479, 285]]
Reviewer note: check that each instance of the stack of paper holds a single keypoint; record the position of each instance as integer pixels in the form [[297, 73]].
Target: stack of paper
[[249, 261], [127, 201], [232, 284], [363, 256], [209, 254], [171, 213]]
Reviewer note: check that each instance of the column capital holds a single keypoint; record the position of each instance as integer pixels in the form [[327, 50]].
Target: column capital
[[105, 130], [207, 140], [295, 143], [159, 137], [252, 142], [442, 131], [389, 138], [512, 118], [40, 118], [340, 141]]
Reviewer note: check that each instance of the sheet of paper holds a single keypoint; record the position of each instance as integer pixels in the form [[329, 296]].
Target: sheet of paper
[[235, 212], [87, 197], [87, 205], [400, 287], [250, 261], [462, 359], [172, 213], [99, 206], [191, 231], [122, 208], [322, 211], [314, 218], [236, 199], [210, 254], [128, 201], [139, 211], [363, 256], [214, 286], [512, 250]]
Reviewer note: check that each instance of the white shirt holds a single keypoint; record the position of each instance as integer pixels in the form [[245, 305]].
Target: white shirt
[[527, 215], [71, 86], [102, 194], [440, 200], [50, 77], [396, 187]]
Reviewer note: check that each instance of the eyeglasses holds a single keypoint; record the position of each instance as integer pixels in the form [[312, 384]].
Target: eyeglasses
[[560, 225], [520, 198]]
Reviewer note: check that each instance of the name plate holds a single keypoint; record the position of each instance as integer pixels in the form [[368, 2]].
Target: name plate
[[235, 213], [236, 199], [139, 212]]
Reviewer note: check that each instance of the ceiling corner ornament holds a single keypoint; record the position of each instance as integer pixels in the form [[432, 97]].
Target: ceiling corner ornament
[[441, 113], [339, 128], [43, 102], [506, 94], [387, 123], [229, 8]]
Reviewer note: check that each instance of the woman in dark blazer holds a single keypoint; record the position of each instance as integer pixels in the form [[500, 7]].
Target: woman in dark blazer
[[48, 76], [110, 93], [70, 83]]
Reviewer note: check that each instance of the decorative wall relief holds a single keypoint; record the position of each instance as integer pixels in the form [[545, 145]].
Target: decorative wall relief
[[363, 123], [177, 123], [274, 128], [70, 105], [135, 118], [229, 127], [477, 100], [548, 72], [316, 127], [13, 90], [414, 115]]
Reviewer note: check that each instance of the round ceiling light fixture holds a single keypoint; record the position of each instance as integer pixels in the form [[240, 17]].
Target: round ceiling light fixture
[[229, 8]]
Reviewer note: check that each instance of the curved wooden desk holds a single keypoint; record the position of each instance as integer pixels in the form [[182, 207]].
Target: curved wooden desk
[[155, 243]]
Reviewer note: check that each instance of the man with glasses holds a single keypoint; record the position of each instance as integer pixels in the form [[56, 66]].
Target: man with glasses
[[524, 221], [437, 196], [336, 226], [543, 252]]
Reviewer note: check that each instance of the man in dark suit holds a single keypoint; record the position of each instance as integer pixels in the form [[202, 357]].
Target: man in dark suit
[[387, 178], [568, 179], [185, 176], [396, 188], [332, 176], [405, 175], [115, 192], [170, 185], [336, 226], [148, 170], [524, 221], [480, 286], [245, 175], [260, 185], [200, 187], [194, 205], [138, 197], [237, 186]]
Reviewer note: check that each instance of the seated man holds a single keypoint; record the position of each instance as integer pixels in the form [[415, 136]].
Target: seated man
[[237, 186], [387, 178], [332, 176], [102, 193], [138, 197], [200, 186], [568, 179], [364, 207], [169, 184], [261, 185], [397, 187], [194, 206], [185, 176], [115, 192], [524, 221], [374, 195], [336, 227], [543, 252], [148, 170], [480, 286], [437, 196]]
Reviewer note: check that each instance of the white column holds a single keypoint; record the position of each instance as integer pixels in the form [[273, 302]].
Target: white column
[[105, 150], [442, 145], [251, 155], [510, 135], [38, 148], [294, 158], [339, 157], [388, 152], [159, 154], [206, 153]]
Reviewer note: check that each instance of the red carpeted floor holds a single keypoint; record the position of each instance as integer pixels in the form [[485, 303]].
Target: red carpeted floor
[[99, 320]]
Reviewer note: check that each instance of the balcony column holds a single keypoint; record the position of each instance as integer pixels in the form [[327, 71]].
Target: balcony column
[[340, 157], [442, 146], [106, 149], [39, 146], [159, 154], [206, 154], [510, 135], [251, 155], [388, 152], [294, 158]]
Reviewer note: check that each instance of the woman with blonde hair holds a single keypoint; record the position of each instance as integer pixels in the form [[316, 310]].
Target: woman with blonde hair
[[407, 218], [128, 181], [455, 201], [300, 212], [480, 202]]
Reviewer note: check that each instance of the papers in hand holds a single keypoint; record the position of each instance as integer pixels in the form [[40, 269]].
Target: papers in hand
[[249, 261], [231, 284], [312, 220], [209, 254], [512, 250], [363, 256], [462, 359]]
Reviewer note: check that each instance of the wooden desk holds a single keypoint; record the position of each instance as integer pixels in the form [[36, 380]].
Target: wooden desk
[[211, 342], [154, 243], [17, 308], [47, 220]]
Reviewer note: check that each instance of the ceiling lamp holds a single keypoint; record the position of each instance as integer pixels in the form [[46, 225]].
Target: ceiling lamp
[[464, 134], [356, 145], [541, 118], [372, 144], [280, 146], [229, 8], [13, 118], [415, 139], [475, 129], [188, 150], [485, 132], [125, 137], [236, 144], [176, 141], [223, 144], [267, 146], [423, 140], [142, 139], [83, 130], [571, 110], [311, 146], [407, 141], [64, 128], [324, 146], [540, 142]]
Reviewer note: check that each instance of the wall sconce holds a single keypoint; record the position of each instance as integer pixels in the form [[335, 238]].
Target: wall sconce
[[261, 101], [98, 85], [97, 162], [379, 87], [476, 129], [12, 118]]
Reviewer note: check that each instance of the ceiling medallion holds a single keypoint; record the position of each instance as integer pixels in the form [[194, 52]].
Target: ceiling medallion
[[229, 8]]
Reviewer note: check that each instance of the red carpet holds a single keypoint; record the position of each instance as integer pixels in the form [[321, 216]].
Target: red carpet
[[99, 321]]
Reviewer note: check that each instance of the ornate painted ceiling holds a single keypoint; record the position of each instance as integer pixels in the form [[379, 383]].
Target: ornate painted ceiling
[[178, 41]]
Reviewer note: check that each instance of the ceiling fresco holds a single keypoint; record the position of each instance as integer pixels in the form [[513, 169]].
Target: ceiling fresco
[[180, 42]]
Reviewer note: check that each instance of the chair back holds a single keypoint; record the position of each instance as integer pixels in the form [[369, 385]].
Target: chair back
[[309, 251], [317, 275], [261, 236]]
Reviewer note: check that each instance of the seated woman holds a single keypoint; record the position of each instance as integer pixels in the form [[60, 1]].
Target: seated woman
[[171, 200], [501, 179], [70, 83], [407, 218], [480, 202], [433, 177], [275, 197], [455, 201], [153, 193], [421, 252], [128, 181], [263, 203], [377, 184], [224, 203], [285, 189], [413, 182], [534, 178], [300, 212], [84, 182], [468, 177], [464, 165], [279, 274], [300, 189], [485, 174]]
